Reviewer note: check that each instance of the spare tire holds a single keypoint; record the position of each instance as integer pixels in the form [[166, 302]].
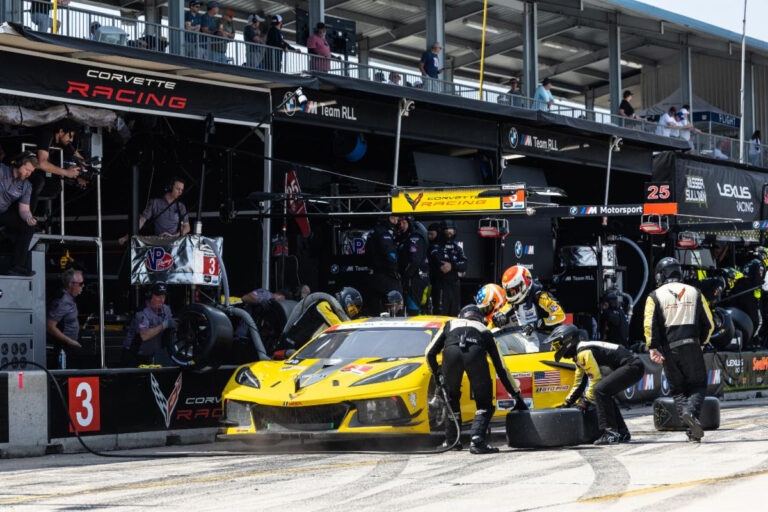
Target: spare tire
[[742, 322], [270, 321], [665, 414], [203, 337], [547, 428]]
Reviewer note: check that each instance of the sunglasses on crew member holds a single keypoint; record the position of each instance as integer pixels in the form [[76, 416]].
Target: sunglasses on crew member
[[79, 283]]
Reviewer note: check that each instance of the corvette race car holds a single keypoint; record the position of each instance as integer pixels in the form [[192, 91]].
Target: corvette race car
[[370, 376]]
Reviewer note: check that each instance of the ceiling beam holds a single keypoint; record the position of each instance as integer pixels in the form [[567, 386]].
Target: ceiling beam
[[586, 58], [545, 31], [419, 26]]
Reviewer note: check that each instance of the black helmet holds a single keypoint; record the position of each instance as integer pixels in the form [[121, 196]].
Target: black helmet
[[668, 269], [351, 300], [394, 303], [159, 288], [472, 312], [613, 298], [564, 340]]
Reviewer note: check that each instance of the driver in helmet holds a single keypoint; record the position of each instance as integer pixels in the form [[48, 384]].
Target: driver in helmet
[[530, 306], [466, 344], [491, 299], [393, 305], [589, 357], [316, 312]]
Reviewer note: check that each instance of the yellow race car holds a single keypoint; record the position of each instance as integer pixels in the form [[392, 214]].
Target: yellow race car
[[370, 377]]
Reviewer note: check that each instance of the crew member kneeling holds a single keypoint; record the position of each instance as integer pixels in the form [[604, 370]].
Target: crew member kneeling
[[589, 356], [465, 344], [677, 324], [144, 338]]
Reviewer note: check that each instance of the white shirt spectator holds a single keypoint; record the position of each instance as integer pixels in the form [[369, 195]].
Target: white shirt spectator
[[666, 123], [684, 134]]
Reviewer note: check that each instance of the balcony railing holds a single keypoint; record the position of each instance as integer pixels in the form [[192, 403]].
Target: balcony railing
[[137, 33]]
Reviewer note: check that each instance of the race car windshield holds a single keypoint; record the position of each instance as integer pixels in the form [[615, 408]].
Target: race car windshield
[[356, 344]]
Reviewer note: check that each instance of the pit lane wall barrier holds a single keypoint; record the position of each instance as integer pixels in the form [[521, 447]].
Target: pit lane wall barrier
[[113, 409], [727, 372]]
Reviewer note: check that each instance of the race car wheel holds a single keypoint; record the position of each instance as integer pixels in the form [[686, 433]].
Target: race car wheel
[[436, 408], [665, 414], [742, 322], [271, 321], [203, 337], [546, 428]]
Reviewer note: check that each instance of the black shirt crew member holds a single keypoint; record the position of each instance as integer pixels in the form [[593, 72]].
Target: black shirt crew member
[[677, 322], [413, 264], [448, 259], [61, 136], [15, 213], [62, 324], [465, 343], [381, 250]]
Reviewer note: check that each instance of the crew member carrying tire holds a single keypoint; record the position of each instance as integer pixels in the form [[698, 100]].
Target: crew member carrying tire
[[491, 299], [315, 313], [530, 306], [588, 380], [465, 343], [677, 324]]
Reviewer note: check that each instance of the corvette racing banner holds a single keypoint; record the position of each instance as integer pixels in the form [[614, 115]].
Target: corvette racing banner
[[183, 260], [458, 200]]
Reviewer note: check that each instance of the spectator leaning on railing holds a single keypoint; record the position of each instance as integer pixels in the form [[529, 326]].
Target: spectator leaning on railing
[[209, 25], [226, 30], [395, 78], [192, 17], [41, 14], [317, 45], [429, 65], [252, 34], [275, 39], [513, 96], [625, 108], [543, 98], [667, 123], [754, 148]]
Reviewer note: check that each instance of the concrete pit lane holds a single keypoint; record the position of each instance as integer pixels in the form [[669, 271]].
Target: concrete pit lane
[[657, 470]]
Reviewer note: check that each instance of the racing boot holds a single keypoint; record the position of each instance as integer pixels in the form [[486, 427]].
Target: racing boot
[[609, 437], [692, 439], [695, 432], [480, 447], [625, 436]]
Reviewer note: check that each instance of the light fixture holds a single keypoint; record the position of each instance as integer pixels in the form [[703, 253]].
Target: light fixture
[[513, 156], [556, 46], [399, 5], [479, 26]]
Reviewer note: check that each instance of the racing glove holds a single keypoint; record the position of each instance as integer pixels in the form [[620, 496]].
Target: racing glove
[[583, 405], [528, 329], [500, 319], [519, 402]]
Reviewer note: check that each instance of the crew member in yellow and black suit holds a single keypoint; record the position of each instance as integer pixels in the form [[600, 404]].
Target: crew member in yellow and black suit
[[677, 324], [588, 380]]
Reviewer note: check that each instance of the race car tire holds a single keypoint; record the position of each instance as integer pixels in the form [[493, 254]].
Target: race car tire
[[665, 414], [547, 428], [203, 337], [742, 322], [271, 321], [725, 332]]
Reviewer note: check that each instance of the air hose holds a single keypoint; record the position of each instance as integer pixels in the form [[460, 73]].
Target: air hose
[[646, 272]]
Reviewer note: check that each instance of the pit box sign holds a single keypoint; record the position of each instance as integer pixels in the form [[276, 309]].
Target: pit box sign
[[84, 403], [451, 200], [184, 260]]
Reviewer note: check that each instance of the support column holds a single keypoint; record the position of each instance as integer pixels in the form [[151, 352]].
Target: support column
[[316, 14], [176, 26], [266, 222], [435, 20], [614, 67], [530, 50], [589, 103], [362, 59], [749, 99], [686, 82]]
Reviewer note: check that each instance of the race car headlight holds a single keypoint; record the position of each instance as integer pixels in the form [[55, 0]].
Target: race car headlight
[[393, 373], [381, 410], [245, 377]]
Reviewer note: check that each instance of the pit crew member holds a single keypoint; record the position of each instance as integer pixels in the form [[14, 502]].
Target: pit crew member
[[393, 305], [466, 342], [448, 264], [677, 323], [413, 264], [382, 258], [589, 356], [144, 338]]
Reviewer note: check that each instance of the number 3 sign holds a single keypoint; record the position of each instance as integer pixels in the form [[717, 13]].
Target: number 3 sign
[[84, 404]]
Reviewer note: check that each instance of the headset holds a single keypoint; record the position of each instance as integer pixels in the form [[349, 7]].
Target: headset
[[22, 158]]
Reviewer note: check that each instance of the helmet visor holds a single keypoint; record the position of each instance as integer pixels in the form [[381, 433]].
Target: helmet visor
[[515, 291]]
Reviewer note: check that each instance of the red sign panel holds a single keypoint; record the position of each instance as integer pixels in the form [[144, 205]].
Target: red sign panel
[[84, 404]]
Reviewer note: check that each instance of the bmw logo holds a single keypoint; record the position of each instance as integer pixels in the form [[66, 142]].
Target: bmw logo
[[756, 225], [289, 108], [518, 249], [629, 392], [664, 384], [574, 210], [334, 269], [513, 138]]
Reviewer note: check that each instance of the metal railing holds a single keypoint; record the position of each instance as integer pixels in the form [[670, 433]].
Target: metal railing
[[136, 32]]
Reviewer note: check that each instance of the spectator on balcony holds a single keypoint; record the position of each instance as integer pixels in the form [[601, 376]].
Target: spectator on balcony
[[379, 77], [209, 25], [722, 149], [192, 43], [226, 31], [754, 149], [395, 78], [252, 33], [625, 107], [318, 45], [685, 128], [429, 65], [95, 25], [41, 15], [279, 45], [667, 122], [543, 99], [513, 96]]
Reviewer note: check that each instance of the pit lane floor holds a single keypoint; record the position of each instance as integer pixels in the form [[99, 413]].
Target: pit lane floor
[[656, 470]]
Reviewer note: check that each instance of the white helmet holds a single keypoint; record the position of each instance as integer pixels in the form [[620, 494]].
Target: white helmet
[[516, 281]]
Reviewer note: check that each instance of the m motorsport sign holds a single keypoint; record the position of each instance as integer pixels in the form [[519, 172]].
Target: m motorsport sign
[[457, 200], [124, 89]]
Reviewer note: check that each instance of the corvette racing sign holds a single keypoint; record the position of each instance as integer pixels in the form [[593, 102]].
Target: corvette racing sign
[[455, 200]]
